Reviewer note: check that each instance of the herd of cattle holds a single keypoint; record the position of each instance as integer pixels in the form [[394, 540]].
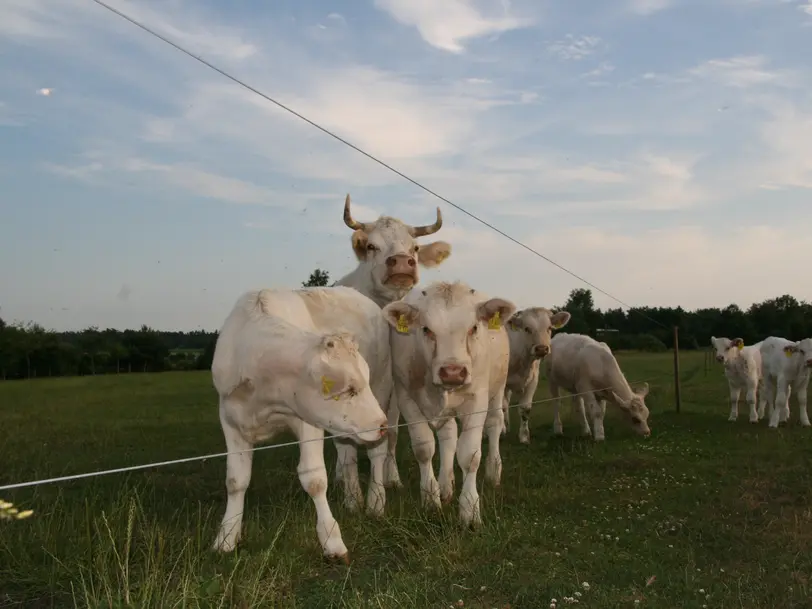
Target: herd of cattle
[[352, 358]]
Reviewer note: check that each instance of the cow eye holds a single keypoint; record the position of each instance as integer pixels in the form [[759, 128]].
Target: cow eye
[[428, 333], [371, 247], [528, 330], [636, 420], [472, 330]]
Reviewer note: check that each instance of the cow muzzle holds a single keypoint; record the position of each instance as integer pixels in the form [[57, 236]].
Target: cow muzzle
[[452, 375], [720, 358], [401, 270], [541, 350], [809, 363]]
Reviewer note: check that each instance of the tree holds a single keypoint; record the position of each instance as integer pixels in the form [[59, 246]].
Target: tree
[[318, 278]]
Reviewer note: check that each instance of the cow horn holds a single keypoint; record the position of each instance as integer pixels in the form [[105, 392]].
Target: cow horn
[[422, 231], [348, 218]]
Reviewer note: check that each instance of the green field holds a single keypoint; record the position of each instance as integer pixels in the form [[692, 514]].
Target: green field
[[720, 513]]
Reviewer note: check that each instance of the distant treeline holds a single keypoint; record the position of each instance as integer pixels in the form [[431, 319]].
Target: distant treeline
[[29, 350]]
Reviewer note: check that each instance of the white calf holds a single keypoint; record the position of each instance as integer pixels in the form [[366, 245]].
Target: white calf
[[450, 357], [588, 369], [529, 333], [786, 367], [274, 369], [743, 372]]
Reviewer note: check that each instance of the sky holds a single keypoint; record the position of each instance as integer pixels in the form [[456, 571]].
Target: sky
[[661, 149]]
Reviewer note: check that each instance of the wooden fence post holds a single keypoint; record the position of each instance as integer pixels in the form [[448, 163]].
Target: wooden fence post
[[676, 369]]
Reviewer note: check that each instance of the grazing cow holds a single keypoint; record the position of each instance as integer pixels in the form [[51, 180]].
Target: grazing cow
[[529, 332], [786, 367], [388, 259], [275, 368], [450, 357], [588, 370], [743, 371]]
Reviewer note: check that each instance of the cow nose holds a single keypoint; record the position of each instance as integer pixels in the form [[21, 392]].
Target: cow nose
[[809, 363], [719, 358], [400, 260], [541, 350], [453, 374]]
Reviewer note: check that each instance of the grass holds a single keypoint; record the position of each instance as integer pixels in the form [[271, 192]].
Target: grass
[[718, 513]]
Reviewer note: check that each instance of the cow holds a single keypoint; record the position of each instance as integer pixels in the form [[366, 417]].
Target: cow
[[786, 366], [450, 357], [589, 371], [529, 332], [743, 371], [388, 267], [276, 368]]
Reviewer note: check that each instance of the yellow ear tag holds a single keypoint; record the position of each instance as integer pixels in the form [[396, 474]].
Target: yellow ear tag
[[495, 322], [741, 346], [440, 257], [403, 326], [326, 386], [787, 352]]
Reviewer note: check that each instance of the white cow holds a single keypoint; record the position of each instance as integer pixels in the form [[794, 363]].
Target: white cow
[[274, 368], [529, 332], [450, 357], [588, 370], [786, 367], [743, 372], [388, 267]]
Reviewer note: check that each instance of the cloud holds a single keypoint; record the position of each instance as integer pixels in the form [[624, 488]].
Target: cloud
[[574, 48], [741, 72], [806, 8], [447, 24], [649, 7]]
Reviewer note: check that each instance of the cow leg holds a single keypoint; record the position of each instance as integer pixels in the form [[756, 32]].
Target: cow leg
[[494, 425], [734, 401], [578, 405], [348, 463], [784, 416], [391, 476], [447, 436], [769, 396], [469, 454], [238, 477], [376, 493], [750, 396], [596, 410], [506, 411], [800, 388], [525, 404], [780, 407], [422, 440], [555, 394], [761, 391], [313, 477]]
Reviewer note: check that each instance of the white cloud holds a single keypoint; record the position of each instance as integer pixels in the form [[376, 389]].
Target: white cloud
[[573, 47], [806, 8], [649, 7], [741, 72], [447, 24]]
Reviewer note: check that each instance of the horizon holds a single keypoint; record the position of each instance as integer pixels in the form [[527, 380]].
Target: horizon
[[658, 148]]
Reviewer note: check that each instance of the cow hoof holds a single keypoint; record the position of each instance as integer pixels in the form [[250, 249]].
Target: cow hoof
[[338, 558]]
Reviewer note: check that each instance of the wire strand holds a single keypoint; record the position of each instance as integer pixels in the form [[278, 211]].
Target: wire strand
[[131, 468], [370, 156]]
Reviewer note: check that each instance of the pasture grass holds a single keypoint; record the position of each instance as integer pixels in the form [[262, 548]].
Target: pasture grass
[[708, 513]]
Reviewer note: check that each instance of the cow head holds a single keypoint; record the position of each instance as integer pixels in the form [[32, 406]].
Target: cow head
[[803, 348], [530, 330], [726, 349], [635, 409], [449, 323], [388, 250], [334, 391]]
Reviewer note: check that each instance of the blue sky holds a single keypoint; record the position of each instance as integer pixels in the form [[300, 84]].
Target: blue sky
[[660, 148]]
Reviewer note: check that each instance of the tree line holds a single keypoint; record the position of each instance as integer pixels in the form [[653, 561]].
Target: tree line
[[27, 350]]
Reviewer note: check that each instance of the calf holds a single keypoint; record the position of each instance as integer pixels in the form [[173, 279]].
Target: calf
[[450, 357], [588, 370], [786, 368], [743, 372], [389, 258], [274, 369], [529, 332]]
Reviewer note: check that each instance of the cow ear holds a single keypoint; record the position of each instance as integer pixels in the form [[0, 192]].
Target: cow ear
[[494, 311], [433, 254], [560, 319], [360, 240], [401, 316]]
